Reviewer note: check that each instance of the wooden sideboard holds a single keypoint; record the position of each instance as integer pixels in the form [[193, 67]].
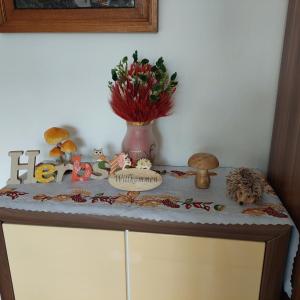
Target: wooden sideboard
[[53, 256], [284, 166]]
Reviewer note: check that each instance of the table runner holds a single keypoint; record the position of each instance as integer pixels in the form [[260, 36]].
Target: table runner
[[176, 200]]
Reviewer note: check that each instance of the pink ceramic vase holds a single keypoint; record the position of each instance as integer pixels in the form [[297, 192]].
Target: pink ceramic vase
[[139, 141]]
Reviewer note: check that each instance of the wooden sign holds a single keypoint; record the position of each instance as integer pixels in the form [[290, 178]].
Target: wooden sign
[[48, 172], [79, 166], [16, 166], [44, 173], [135, 180]]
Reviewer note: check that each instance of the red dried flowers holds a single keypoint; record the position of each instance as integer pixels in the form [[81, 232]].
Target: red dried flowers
[[142, 92]]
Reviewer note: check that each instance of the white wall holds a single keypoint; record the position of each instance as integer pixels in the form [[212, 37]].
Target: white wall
[[226, 52]]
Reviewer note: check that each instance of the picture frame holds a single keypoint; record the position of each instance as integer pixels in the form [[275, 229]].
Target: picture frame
[[141, 18]]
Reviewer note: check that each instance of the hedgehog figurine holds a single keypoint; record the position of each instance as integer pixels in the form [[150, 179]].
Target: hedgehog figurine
[[245, 186]]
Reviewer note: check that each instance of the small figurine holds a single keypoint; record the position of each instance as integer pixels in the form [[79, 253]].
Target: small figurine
[[245, 185], [100, 158], [121, 161], [144, 164], [98, 154]]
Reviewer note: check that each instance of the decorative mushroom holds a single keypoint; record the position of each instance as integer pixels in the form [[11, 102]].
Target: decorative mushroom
[[203, 162], [68, 147], [56, 153], [63, 147], [55, 135]]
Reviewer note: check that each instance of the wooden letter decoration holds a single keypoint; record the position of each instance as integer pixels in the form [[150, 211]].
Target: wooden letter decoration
[[98, 174], [79, 166], [61, 170], [45, 173], [135, 180], [16, 166]]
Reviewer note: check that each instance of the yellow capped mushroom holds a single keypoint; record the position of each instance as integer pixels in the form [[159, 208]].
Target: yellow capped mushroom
[[55, 135], [68, 147], [56, 153]]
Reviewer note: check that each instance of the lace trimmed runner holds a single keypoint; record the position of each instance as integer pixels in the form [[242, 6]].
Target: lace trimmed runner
[[176, 200]]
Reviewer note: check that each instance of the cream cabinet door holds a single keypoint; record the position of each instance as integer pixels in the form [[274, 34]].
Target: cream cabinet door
[[166, 267], [49, 263]]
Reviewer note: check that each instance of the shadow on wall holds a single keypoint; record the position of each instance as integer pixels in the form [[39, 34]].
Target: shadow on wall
[[159, 159], [74, 136]]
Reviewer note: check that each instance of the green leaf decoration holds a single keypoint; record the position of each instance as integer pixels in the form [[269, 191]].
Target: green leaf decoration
[[163, 68], [102, 164], [189, 201], [143, 77], [135, 79], [125, 60], [114, 74], [173, 77], [154, 69], [145, 61], [158, 76], [135, 56], [157, 88], [219, 207], [173, 84], [160, 62], [154, 98]]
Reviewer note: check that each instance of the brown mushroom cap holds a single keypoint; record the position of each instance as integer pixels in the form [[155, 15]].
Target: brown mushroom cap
[[55, 135], [204, 161], [68, 147], [56, 152]]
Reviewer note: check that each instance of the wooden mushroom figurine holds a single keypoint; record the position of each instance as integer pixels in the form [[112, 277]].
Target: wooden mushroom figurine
[[203, 162], [68, 147]]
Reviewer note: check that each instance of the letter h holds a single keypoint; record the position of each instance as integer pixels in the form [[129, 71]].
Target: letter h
[[16, 166]]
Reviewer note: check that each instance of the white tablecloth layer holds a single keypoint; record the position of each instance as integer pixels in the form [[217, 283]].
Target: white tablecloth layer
[[175, 200]]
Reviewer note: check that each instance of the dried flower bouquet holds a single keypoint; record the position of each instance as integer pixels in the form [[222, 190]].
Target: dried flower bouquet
[[142, 92]]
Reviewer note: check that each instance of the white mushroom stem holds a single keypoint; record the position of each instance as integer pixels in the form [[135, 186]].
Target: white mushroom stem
[[68, 156], [202, 179]]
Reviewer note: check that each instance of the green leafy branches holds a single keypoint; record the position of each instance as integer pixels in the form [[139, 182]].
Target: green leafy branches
[[155, 76], [163, 83], [120, 72]]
